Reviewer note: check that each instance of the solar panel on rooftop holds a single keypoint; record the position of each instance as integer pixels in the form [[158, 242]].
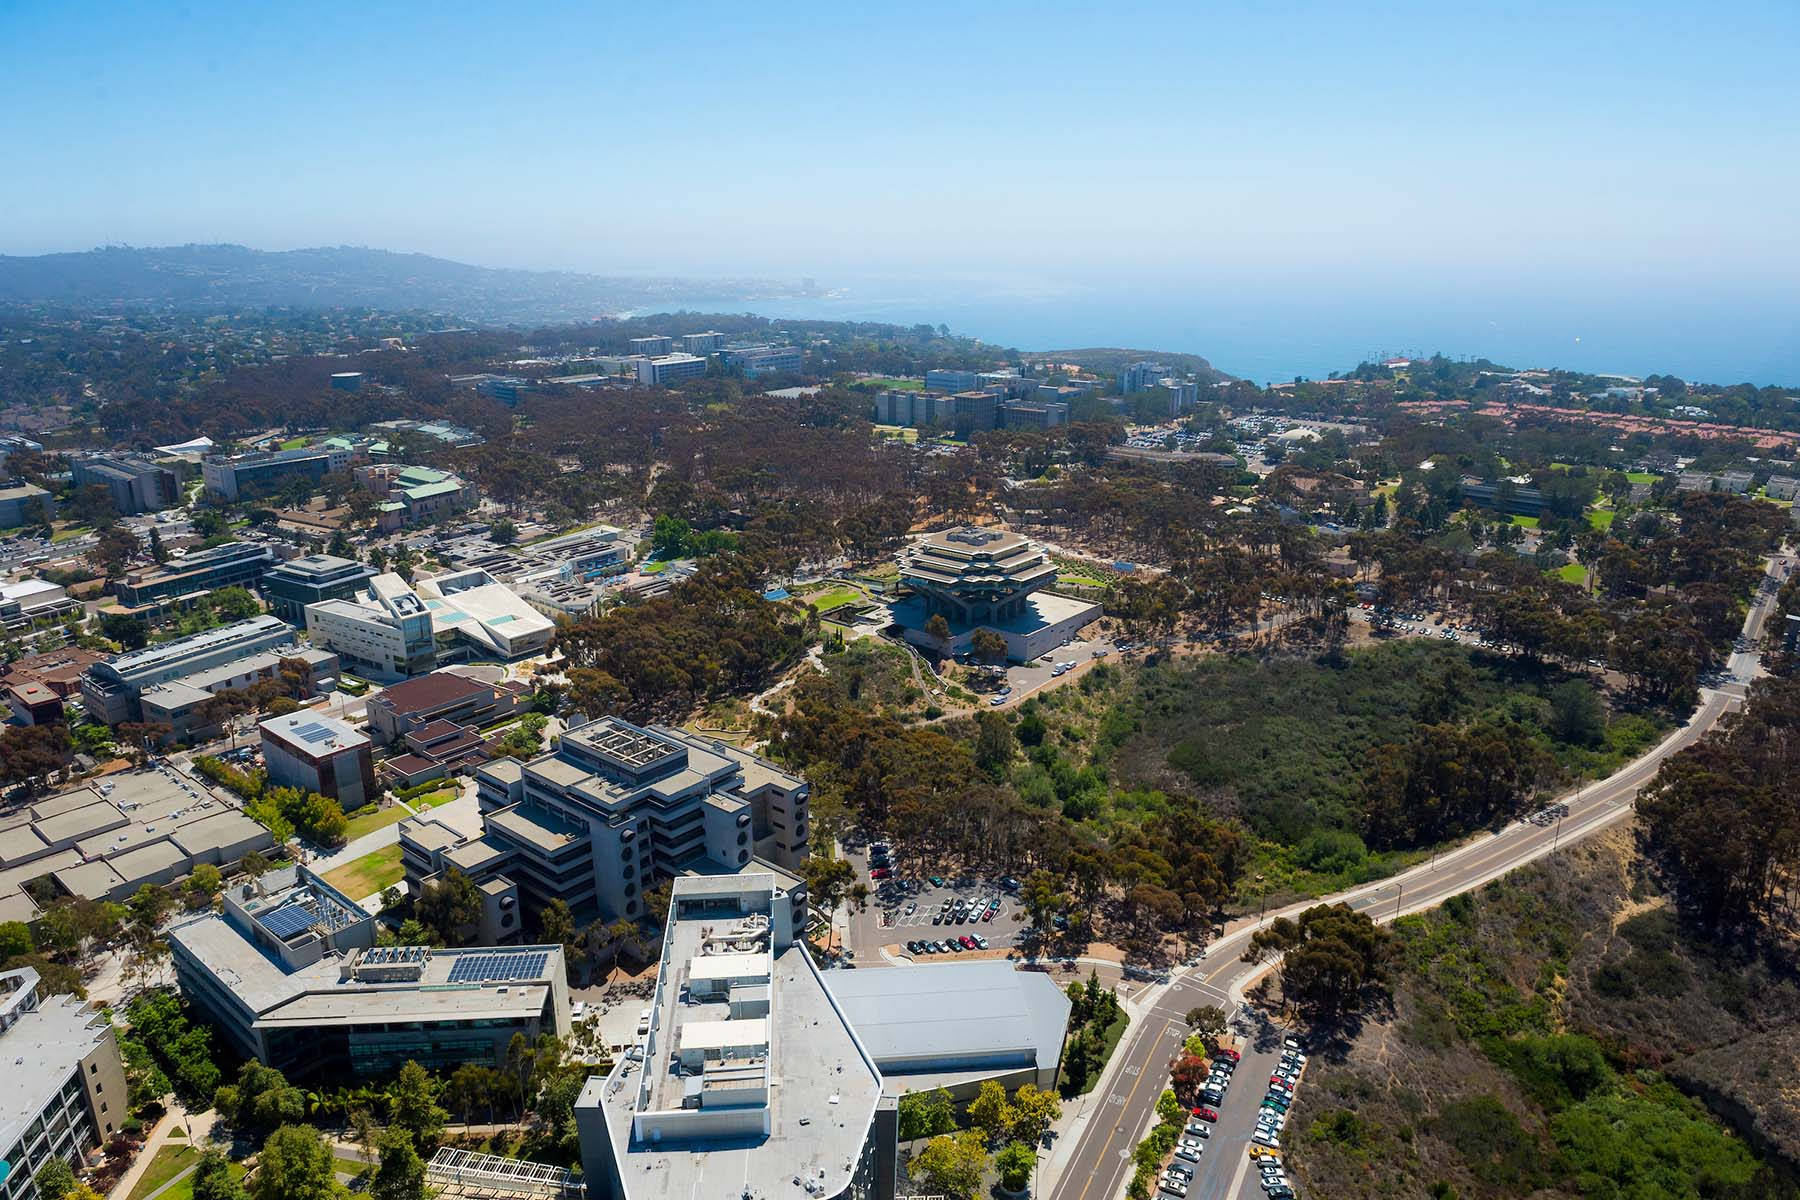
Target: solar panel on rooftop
[[482, 968], [288, 920]]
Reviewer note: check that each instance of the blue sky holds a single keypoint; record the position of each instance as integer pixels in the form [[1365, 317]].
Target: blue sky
[[1652, 143]]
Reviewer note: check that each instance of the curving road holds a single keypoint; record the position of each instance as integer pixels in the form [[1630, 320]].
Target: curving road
[[1094, 1161]]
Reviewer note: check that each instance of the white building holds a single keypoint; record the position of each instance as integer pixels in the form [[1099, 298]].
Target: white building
[[65, 1090], [386, 633], [668, 368], [477, 616]]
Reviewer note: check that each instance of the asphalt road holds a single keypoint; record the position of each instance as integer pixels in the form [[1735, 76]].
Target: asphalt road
[[1096, 1161]]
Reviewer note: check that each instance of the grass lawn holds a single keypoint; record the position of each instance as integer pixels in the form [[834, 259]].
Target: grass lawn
[[1601, 518], [433, 799], [169, 1162], [1641, 477], [1573, 573], [1114, 1032], [826, 599], [369, 874], [1081, 580], [183, 1188], [654, 568], [904, 432], [1526, 522], [888, 384], [68, 532], [349, 1166], [294, 443], [371, 819]]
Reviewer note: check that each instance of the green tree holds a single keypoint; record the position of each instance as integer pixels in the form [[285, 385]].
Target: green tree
[[1035, 1110], [990, 1112], [449, 907], [15, 939], [54, 1180], [413, 1107], [988, 646], [401, 1175], [504, 532], [1014, 1162], [214, 1180], [1576, 714], [937, 628], [295, 1164], [926, 1114], [951, 1164]]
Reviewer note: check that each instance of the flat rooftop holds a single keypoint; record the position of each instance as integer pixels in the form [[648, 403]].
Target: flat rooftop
[[824, 1089], [313, 735], [928, 1017], [40, 1049]]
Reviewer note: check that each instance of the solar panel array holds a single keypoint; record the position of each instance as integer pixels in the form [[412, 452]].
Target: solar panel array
[[313, 732], [288, 920], [483, 968]]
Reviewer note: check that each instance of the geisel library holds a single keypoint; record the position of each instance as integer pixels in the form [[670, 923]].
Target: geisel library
[[986, 579]]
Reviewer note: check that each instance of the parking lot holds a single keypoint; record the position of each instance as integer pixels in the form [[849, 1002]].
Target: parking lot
[[902, 911], [1067, 660]]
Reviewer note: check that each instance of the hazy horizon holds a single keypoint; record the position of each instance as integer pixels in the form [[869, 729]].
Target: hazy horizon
[[1317, 160]]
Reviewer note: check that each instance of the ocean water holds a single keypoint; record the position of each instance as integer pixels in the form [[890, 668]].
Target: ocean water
[[1275, 333]]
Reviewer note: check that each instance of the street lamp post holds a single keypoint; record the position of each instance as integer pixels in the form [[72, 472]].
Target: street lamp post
[[1400, 890]]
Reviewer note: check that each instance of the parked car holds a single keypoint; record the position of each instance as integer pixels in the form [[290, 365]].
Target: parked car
[[1206, 1113]]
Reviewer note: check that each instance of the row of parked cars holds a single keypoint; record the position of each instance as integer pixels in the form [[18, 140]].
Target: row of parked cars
[[1271, 1118], [968, 941], [966, 912], [1178, 1176]]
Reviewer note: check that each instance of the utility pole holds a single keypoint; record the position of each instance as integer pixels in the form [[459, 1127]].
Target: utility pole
[[1400, 890]]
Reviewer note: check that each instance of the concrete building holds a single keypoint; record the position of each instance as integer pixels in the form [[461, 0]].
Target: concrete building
[[244, 476], [193, 575], [181, 703], [289, 974], [773, 360], [405, 708], [110, 690], [1032, 414], [947, 380], [65, 1091], [616, 808], [290, 586], [384, 631], [322, 754], [135, 484], [103, 841], [654, 346], [24, 504], [25, 601], [32, 704], [703, 343], [476, 616], [670, 368], [347, 381], [1141, 376], [1782, 487], [986, 579], [751, 1074]]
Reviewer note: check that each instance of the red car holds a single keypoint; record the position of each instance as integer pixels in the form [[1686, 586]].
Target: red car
[[1233, 1055], [968, 942], [1206, 1114], [880, 873]]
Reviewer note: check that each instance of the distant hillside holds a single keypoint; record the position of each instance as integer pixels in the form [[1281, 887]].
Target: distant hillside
[[1111, 360], [226, 276]]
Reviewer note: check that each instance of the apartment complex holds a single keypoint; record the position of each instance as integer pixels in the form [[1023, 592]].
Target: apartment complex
[[244, 476], [614, 809], [709, 342], [290, 975], [136, 484], [968, 412], [750, 1072], [669, 368], [382, 630], [653, 346], [65, 1093], [322, 754], [290, 586], [191, 576]]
